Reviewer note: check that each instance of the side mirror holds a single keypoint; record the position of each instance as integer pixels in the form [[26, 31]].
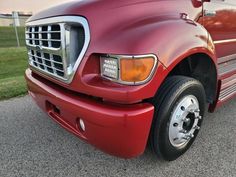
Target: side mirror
[[198, 3]]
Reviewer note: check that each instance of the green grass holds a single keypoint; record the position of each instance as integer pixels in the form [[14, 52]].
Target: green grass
[[8, 36], [13, 62]]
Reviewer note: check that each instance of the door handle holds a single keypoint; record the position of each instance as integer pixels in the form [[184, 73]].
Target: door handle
[[209, 13]]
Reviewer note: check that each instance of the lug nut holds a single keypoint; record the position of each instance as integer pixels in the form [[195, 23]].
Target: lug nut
[[199, 117], [185, 119], [191, 111], [183, 131], [196, 127], [186, 137], [191, 135]]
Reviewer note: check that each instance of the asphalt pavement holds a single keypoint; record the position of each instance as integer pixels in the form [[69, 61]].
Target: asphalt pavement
[[31, 144]]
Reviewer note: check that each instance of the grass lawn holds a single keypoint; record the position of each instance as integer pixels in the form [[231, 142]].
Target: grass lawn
[[8, 36], [13, 62]]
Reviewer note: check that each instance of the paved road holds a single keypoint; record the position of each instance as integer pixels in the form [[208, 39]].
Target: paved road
[[31, 145]]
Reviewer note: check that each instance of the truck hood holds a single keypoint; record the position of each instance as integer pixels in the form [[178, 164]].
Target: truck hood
[[109, 18], [95, 8]]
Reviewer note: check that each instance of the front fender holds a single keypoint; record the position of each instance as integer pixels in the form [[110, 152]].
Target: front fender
[[170, 40]]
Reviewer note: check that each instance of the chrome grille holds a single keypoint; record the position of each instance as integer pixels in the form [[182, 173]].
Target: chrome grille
[[57, 45]]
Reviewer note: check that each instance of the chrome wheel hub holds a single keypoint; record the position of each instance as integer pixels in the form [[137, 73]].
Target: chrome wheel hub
[[184, 121]]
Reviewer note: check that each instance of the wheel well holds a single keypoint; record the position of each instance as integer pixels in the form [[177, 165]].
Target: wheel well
[[202, 68]]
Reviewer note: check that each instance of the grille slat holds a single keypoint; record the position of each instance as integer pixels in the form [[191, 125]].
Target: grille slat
[[53, 40], [49, 37], [33, 36], [46, 50], [57, 45], [42, 32]]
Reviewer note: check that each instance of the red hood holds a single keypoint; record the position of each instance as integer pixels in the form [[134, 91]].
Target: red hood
[[93, 8], [100, 10], [109, 18]]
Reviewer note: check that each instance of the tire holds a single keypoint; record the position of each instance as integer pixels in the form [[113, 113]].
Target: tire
[[172, 132]]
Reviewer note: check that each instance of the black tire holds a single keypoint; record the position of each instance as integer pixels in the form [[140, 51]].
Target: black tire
[[172, 90]]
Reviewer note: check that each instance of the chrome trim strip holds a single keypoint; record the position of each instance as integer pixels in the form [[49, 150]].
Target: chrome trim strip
[[227, 93], [46, 49], [118, 57], [67, 20], [224, 41], [226, 59], [51, 40], [228, 82]]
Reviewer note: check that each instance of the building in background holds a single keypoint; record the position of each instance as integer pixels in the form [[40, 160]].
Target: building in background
[[17, 18]]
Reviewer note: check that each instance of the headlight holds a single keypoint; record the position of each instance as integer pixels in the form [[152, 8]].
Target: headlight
[[109, 67], [130, 70]]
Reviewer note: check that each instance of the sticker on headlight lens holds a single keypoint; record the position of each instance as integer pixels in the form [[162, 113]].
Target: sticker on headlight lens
[[109, 67]]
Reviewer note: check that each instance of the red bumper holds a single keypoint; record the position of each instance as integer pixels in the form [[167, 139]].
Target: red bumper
[[120, 130]]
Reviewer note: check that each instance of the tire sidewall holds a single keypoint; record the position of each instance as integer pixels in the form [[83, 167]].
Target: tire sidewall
[[167, 150]]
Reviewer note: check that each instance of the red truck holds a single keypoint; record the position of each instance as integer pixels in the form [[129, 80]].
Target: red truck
[[124, 74]]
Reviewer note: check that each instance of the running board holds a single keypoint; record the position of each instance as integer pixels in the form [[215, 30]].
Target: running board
[[227, 75], [228, 88], [227, 81], [226, 65]]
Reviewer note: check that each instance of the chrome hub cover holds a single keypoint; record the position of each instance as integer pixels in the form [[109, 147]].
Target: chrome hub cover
[[184, 121]]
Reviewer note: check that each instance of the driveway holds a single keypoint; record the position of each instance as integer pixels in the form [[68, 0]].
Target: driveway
[[31, 144]]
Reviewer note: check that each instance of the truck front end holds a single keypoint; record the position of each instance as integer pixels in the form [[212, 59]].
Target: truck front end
[[91, 76]]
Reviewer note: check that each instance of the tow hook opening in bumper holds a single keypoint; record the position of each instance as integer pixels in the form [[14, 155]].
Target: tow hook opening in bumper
[[53, 109], [55, 112]]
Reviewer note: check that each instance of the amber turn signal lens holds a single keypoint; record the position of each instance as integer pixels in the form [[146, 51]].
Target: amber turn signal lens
[[136, 70]]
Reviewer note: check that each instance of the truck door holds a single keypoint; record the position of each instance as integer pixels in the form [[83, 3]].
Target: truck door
[[220, 21], [219, 18]]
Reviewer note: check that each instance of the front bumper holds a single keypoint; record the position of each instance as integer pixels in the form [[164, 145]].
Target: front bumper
[[120, 130]]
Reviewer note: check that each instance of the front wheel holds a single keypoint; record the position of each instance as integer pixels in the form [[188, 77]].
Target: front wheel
[[179, 109]]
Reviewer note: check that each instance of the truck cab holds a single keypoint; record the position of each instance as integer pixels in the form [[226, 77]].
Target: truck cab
[[124, 74]]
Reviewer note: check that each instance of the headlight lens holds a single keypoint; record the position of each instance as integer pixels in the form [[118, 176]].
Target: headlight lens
[[130, 70], [109, 67]]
